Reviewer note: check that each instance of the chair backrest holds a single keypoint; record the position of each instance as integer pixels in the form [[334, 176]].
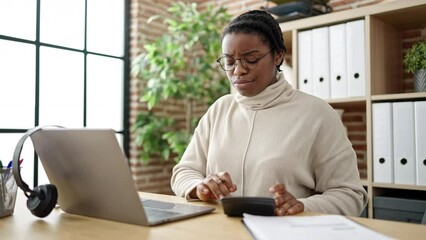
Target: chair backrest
[[424, 218]]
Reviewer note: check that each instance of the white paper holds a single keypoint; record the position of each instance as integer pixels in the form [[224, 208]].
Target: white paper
[[327, 227]]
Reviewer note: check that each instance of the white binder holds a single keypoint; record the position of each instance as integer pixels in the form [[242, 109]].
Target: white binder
[[321, 62], [403, 143], [382, 143], [355, 41], [420, 138], [338, 75], [305, 62]]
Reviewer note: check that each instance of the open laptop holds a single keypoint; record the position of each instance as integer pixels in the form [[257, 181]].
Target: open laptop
[[93, 178]]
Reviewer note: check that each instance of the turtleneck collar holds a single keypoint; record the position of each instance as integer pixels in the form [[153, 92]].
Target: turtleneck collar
[[275, 94]]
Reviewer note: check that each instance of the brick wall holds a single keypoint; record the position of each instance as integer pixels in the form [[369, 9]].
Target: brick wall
[[155, 177]]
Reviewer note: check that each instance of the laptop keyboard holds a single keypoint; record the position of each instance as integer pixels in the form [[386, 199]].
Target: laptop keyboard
[[159, 213], [158, 209], [157, 204]]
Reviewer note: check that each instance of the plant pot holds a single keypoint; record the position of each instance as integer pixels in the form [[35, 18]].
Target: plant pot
[[420, 80]]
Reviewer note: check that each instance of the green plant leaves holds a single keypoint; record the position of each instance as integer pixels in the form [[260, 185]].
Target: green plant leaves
[[149, 131], [179, 65], [415, 58]]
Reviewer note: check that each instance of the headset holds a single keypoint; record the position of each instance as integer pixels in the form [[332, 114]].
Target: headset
[[42, 199]]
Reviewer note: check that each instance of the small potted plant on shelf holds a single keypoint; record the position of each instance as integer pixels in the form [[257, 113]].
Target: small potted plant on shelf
[[415, 61]]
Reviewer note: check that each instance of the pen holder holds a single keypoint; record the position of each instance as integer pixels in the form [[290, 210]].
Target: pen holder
[[8, 190]]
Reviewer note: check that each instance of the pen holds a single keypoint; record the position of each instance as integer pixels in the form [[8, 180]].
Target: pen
[[7, 175], [9, 165]]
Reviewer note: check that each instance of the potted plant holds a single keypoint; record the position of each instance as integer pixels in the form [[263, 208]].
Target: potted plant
[[415, 60], [179, 66]]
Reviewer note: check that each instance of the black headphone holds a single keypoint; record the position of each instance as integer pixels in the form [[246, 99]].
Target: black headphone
[[42, 199]]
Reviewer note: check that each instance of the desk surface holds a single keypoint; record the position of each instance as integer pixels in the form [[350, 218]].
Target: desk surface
[[59, 225]]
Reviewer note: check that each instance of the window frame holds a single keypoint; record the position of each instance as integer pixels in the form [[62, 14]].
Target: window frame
[[126, 77]]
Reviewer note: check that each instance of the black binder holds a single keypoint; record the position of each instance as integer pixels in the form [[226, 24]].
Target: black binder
[[291, 10]]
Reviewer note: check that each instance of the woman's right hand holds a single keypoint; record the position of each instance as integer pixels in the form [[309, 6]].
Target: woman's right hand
[[214, 186], [286, 203]]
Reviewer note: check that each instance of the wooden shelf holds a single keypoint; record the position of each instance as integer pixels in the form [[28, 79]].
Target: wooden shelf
[[399, 186], [353, 103], [352, 100], [398, 11], [399, 96], [365, 182], [385, 24]]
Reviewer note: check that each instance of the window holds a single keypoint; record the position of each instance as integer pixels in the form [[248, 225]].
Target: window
[[62, 62]]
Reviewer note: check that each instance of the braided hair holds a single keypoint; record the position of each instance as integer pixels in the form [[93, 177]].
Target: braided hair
[[261, 23]]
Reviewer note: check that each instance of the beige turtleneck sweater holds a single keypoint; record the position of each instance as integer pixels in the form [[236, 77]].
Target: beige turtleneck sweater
[[281, 135]]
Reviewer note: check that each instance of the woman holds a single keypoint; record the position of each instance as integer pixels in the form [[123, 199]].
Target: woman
[[269, 139]]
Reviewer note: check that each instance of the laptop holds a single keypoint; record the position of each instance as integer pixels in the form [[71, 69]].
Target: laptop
[[93, 178]]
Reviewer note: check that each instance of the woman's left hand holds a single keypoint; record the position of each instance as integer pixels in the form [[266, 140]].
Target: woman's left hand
[[286, 203]]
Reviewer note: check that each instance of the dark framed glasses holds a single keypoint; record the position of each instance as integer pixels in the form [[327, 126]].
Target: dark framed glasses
[[249, 62]]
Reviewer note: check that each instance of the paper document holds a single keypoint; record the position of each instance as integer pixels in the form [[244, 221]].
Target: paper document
[[327, 227]]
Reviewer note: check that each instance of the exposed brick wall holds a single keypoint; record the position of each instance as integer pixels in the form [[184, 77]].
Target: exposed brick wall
[[237, 7], [155, 177], [340, 5], [354, 118]]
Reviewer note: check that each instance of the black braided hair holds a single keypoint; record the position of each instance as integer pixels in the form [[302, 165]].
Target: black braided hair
[[261, 23]]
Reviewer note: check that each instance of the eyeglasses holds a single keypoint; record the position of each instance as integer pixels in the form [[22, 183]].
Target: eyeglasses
[[228, 63]]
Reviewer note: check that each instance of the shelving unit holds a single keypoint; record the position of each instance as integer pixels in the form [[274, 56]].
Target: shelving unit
[[384, 25]]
